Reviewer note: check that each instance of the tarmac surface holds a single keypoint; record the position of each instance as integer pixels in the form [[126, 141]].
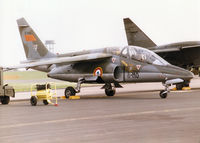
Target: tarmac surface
[[135, 114]]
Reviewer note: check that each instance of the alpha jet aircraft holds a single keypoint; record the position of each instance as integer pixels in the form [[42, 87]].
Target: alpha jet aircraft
[[109, 66], [182, 54]]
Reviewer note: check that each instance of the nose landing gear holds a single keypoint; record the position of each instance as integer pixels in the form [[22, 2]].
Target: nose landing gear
[[163, 93]]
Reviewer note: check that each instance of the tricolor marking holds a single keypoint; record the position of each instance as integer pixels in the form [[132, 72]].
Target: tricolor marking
[[98, 71]]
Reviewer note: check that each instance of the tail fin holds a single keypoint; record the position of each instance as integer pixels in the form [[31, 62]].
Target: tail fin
[[33, 46], [135, 36]]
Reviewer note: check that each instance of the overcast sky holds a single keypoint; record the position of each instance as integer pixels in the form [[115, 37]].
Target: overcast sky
[[89, 24]]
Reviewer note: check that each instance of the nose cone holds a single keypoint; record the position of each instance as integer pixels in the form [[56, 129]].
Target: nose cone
[[188, 75], [177, 72]]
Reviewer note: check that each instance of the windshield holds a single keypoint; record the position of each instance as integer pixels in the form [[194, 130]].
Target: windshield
[[142, 54]]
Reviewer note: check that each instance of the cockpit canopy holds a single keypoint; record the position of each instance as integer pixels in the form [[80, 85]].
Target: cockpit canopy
[[142, 54]]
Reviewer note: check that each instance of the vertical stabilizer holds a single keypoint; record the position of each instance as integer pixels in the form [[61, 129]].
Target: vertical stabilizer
[[135, 36], [33, 46]]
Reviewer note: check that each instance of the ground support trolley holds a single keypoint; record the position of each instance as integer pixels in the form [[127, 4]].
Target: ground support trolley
[[44, 92]]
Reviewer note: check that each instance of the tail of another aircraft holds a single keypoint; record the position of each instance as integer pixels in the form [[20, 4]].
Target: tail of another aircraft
[[33, 46], [135, 36]]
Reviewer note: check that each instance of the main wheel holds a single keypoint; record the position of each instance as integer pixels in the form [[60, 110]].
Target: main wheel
[[110, 92], [5, 99], [162, 94], [45, 102], [179, 86], [33, 100], [69, 91]]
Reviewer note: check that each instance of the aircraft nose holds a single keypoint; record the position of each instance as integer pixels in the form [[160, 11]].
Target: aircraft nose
[[187, 75], [181, 73], [190, 74]]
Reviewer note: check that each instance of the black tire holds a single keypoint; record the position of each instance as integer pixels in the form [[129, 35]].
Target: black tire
[[33, 101], [45, 102], [5, 99], [179, 86], [69, 91], [110, 92], [163, 95], [186, 84]]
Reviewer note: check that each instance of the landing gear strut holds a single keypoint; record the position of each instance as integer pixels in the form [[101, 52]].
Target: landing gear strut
[[70, 91]]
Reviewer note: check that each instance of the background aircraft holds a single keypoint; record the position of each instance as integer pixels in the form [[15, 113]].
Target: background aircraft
[[182, 54], [110, 66]]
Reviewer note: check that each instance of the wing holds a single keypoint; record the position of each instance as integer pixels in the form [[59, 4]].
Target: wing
[[63, 60], [174, 49]]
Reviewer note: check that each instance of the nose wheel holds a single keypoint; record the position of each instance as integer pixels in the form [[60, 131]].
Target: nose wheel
[[163, 94]]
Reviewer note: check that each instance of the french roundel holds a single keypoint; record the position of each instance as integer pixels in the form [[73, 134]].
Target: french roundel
[[98, 71]]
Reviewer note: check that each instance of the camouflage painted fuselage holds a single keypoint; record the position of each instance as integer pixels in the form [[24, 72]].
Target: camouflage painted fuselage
[[116, 69]]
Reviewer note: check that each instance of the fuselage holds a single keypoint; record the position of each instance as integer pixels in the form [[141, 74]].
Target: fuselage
[[120, 67]]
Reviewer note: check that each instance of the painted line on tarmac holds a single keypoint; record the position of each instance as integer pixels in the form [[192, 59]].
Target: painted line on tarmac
[[98, 117]]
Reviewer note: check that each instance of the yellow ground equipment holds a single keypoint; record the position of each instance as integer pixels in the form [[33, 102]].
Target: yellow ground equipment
[[44, 93]]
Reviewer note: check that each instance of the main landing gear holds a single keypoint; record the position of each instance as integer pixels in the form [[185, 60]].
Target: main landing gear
[[109, 89], [70, 91]]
